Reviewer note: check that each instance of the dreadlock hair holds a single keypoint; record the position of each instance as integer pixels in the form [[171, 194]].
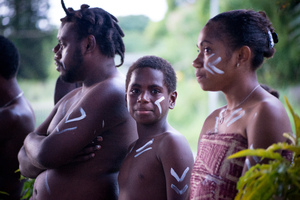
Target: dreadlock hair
[[99, 23]]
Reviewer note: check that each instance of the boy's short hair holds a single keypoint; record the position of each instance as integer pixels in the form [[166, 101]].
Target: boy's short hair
[[157, 63]]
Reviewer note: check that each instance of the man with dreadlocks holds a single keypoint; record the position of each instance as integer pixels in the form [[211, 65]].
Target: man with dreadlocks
[[57, 153]]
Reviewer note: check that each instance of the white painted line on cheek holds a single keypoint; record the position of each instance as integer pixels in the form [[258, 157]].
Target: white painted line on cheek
[[208, 69], [214, 68], [157, 102], [63, 64]]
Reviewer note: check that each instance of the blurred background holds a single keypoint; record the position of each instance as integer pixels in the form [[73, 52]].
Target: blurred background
[[166, 28]]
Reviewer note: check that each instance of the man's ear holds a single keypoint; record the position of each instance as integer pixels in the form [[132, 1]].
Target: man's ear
[[172, 99], [90, 43]]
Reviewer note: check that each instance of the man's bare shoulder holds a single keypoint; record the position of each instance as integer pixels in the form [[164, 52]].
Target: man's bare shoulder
[[17, 119]]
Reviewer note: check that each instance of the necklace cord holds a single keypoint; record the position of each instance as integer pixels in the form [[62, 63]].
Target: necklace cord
[[222, 113], [15, 98]]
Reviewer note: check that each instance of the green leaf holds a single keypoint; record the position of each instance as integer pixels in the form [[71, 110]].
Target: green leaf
[[257, 152], [1, 192], [296, 119]]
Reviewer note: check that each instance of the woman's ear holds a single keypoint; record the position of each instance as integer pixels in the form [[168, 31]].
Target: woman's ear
[[244, 55], [172, 99]]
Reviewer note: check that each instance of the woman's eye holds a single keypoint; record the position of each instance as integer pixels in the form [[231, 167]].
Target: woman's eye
[[207, 50]]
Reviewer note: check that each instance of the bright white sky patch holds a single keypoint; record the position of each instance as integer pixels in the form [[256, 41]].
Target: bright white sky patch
[[154, 9]]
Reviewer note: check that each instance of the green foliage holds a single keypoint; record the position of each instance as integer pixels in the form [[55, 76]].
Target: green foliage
[[278, 178], [27, 189], [174, 37], [26, 24]]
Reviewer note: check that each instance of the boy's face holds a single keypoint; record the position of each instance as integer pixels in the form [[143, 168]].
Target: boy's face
[[148, 100]]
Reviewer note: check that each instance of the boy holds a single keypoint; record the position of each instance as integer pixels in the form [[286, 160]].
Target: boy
[[159, 163]]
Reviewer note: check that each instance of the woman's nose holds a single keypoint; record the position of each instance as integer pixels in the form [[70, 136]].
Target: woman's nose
[[198, 62]]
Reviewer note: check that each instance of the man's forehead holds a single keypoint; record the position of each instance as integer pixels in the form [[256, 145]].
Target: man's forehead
[[65, 29]]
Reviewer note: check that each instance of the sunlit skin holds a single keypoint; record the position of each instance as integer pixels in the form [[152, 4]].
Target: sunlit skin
[[54, 153], [160, 153], [258, 117]]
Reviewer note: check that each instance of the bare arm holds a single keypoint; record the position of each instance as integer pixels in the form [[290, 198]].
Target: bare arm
[[81, 124], [267, 126], [177, 159]]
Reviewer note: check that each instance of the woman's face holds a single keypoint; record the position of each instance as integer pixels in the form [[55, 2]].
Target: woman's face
[[213, 63]]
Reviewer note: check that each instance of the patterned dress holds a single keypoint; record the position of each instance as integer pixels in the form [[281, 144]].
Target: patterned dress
[[214, 176]]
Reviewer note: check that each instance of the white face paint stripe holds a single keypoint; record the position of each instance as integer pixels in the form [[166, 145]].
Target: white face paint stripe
[[157, 102], [211, 68], [103, 124], [215, 69], [182, 191], [175, 175], [63, 64], [83, 115], [208, 69]]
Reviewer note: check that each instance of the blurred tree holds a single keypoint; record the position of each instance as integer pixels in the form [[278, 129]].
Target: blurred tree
[[284, 15], [133, 27], [25, 23], [175, 37]]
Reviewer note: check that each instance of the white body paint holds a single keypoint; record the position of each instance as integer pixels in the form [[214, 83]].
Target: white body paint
[[46, 183], [65, 130], [157, 103], [255, 158], [175, 175], [182, 191], [248, 163], [144, 148], [83, 115], [233, 119]]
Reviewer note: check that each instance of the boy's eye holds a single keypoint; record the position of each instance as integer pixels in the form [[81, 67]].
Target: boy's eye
[[134, 91], [155, 91]]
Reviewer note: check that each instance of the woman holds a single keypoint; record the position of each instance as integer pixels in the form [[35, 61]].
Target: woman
[[232, 46]]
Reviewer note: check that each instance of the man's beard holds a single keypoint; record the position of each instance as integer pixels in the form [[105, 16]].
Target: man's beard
[[74, 70]]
